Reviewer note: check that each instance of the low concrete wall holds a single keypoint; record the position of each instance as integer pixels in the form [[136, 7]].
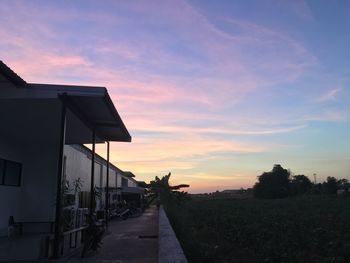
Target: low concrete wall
[[170, 250]]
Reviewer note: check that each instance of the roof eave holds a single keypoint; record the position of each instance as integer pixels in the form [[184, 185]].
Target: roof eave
[[11, 76], [114, 111]]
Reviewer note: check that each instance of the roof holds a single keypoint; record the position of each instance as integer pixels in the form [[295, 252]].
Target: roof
[[89, 108], [142, 184], [10, 75], [128, 174], [92, 105]]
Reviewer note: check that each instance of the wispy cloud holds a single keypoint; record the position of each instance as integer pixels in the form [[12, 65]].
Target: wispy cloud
[[143, 149], [67, 61], [191, 86], [329, 95], [329, 116], [219, 130], [302, 9]]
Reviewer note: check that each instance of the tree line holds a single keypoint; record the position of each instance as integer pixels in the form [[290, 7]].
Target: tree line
[[280, 183]]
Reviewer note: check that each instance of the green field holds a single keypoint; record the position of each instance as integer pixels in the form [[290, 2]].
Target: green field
[[302, 229]]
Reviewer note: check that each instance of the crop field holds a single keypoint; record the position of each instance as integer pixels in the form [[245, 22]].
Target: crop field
[[301, 229]]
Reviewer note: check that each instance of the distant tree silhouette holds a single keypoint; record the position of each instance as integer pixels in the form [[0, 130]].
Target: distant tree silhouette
[[278, 184], [300, 184], [316, 189], [343, 184], [330, 186], [274, 184]]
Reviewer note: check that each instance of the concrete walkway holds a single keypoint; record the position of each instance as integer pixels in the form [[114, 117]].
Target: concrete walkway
[[134, 240]]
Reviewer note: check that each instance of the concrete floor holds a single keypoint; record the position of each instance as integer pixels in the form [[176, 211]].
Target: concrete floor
[[133, 240], [22, 248]]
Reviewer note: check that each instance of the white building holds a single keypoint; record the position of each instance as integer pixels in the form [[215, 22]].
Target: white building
[[38, 121], [77, 164]]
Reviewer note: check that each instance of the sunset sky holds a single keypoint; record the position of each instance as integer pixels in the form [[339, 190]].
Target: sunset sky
[[216, 92]]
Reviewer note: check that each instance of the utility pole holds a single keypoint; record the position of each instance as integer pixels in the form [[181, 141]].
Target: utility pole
[[315, 178]]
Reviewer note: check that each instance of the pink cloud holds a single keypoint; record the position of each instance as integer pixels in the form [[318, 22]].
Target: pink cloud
[[163, 150], [67, 61]]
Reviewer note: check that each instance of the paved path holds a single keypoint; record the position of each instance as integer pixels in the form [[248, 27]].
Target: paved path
[[134, 240]]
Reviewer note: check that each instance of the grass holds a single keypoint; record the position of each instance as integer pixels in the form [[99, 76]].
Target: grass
[[301, 229]]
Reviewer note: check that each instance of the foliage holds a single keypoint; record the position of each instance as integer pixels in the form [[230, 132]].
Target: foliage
[[274, 184], [300, 184], [164, 193], [343, 184], [278, 184], [330, 186], [300, 229], [69, 194], [69, 191], [67, 219], [316, 189], [75, 187]]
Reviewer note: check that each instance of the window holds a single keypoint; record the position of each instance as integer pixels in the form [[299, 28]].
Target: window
[[10, 173]]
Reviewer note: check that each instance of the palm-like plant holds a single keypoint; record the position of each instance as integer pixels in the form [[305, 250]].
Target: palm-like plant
[[164, 192]]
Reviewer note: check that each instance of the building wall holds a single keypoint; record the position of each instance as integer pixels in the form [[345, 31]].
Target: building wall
[[38, 197], [35, 199], [119, 179], [30, 136], [9, 195], [132, 183], [78, 165]]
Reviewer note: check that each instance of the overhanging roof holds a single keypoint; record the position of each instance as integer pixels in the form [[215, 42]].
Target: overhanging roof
[[88, 108], [128, 174], [92, 105]]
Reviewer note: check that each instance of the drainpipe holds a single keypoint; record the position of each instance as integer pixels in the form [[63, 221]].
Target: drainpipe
[[57, 234], [107, 188], [92, 170]]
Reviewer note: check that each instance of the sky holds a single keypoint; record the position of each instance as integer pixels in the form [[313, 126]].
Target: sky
[[215, 92]]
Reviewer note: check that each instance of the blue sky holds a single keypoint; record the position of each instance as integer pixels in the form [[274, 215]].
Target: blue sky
[[214, 91]]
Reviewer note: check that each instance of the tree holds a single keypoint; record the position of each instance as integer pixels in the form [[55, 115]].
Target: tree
[[164, 192], [300, 184], [330, 186], [343, 184], [273, 184]]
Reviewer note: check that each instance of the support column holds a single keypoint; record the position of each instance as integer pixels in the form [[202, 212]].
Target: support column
[[57, 234], [92, 186], [107, 188]]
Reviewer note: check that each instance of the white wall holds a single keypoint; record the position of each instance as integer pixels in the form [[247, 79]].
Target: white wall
[[119, 180], [131, 183], [78, 165]]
